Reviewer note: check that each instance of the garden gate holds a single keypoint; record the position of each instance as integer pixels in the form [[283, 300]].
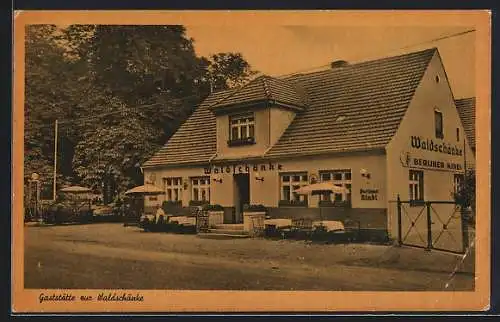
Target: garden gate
[[430, 225]]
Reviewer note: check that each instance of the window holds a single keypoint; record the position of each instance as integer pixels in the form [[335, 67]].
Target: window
[[200, 190], [416, 183], [242, 128], [290, 182], [173, 189], [340, 178], [457, 182], [438, 121], [458, 134]]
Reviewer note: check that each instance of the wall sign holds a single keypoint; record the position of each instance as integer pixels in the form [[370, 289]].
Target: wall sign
[[243, 168], [408, 161], [368, 194], [425, 144]]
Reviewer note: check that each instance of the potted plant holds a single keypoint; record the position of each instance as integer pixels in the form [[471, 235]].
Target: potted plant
[[215, 215], [253, 219]]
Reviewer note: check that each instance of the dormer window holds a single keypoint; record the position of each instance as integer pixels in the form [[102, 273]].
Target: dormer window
[[242, 129]]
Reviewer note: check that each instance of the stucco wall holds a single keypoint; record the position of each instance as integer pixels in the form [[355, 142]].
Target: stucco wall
[[419, 121], [186, 173], [270, 123], [268, 191], [261, 136]]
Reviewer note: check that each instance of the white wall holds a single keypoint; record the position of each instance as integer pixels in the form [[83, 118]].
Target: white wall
[[419, 121]]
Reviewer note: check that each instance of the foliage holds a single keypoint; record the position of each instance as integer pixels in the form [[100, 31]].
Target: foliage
[[210, 207], [256, 208], [466, 192], [118, 92], [228, 70]]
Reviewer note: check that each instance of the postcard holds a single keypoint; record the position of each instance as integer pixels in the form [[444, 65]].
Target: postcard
[[251, 161]]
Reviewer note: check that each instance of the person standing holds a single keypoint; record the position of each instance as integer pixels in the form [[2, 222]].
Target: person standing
[[159, 213]]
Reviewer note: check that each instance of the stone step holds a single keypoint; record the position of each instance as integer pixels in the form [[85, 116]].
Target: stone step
[[229, 226], [219, 235], [227, 231]]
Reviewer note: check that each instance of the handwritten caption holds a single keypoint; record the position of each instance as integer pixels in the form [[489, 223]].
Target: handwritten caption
[[101, 297]]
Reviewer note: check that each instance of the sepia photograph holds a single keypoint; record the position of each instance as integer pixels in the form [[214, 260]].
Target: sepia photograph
[[330, 153]]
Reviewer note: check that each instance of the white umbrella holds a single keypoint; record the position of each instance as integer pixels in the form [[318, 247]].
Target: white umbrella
[[76, 189], [321, 188], [147, 189]]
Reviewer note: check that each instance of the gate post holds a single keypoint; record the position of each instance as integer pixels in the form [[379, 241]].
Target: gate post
[[429, 226], [465, 229], [400, 241]]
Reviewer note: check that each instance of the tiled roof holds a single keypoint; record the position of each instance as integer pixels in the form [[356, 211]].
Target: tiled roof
[[265, 88], [356, 107], [467, 110], [195, 140]]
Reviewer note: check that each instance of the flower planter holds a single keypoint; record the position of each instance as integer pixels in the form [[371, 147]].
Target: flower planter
[[215, 218], [253, 222]]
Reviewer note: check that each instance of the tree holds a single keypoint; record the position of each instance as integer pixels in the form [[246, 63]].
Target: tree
[[151, 74], [118, 92], [59, 85], [47, 94], [228, 70], [466, 192]]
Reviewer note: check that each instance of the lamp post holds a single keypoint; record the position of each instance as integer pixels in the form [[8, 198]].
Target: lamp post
[[54, 183], [35, 177]]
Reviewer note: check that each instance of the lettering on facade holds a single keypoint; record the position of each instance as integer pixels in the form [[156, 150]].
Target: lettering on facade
[[436, 164], [409, 161], [369, 194], [242, 168], [429, 145]]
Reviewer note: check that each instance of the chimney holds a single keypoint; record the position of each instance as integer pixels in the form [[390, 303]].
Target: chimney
[[338, 64]]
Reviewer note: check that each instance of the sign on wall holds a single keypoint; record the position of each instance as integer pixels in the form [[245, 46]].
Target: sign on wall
[[420, 143], [243, 168], [410, 161], [368, 194]]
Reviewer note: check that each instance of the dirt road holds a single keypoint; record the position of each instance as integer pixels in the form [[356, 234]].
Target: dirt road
[[99, 256]]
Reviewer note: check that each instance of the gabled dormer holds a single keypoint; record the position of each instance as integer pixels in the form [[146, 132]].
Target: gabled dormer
[[252, 118]]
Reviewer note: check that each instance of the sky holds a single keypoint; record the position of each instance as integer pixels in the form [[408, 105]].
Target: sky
[[278, 49]]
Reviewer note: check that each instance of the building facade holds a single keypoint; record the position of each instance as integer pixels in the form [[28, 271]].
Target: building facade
[[379, 129]]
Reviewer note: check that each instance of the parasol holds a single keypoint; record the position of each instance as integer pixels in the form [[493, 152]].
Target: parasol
[[147, 189], [321, 188], [76, 189]]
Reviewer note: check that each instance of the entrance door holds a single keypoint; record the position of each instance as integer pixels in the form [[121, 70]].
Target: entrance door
[[242, 196]]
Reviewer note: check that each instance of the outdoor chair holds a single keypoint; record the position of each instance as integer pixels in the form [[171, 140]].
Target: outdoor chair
[[352, 229], [301, 228]]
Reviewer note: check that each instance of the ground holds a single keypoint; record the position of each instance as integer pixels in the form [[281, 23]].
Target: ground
[[100, 256]]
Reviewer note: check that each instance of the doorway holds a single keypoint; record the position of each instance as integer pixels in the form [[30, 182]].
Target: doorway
[[242, 195]]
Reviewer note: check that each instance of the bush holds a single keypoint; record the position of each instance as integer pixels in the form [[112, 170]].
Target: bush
[[195, 203], [256, 208], [213, 208]]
